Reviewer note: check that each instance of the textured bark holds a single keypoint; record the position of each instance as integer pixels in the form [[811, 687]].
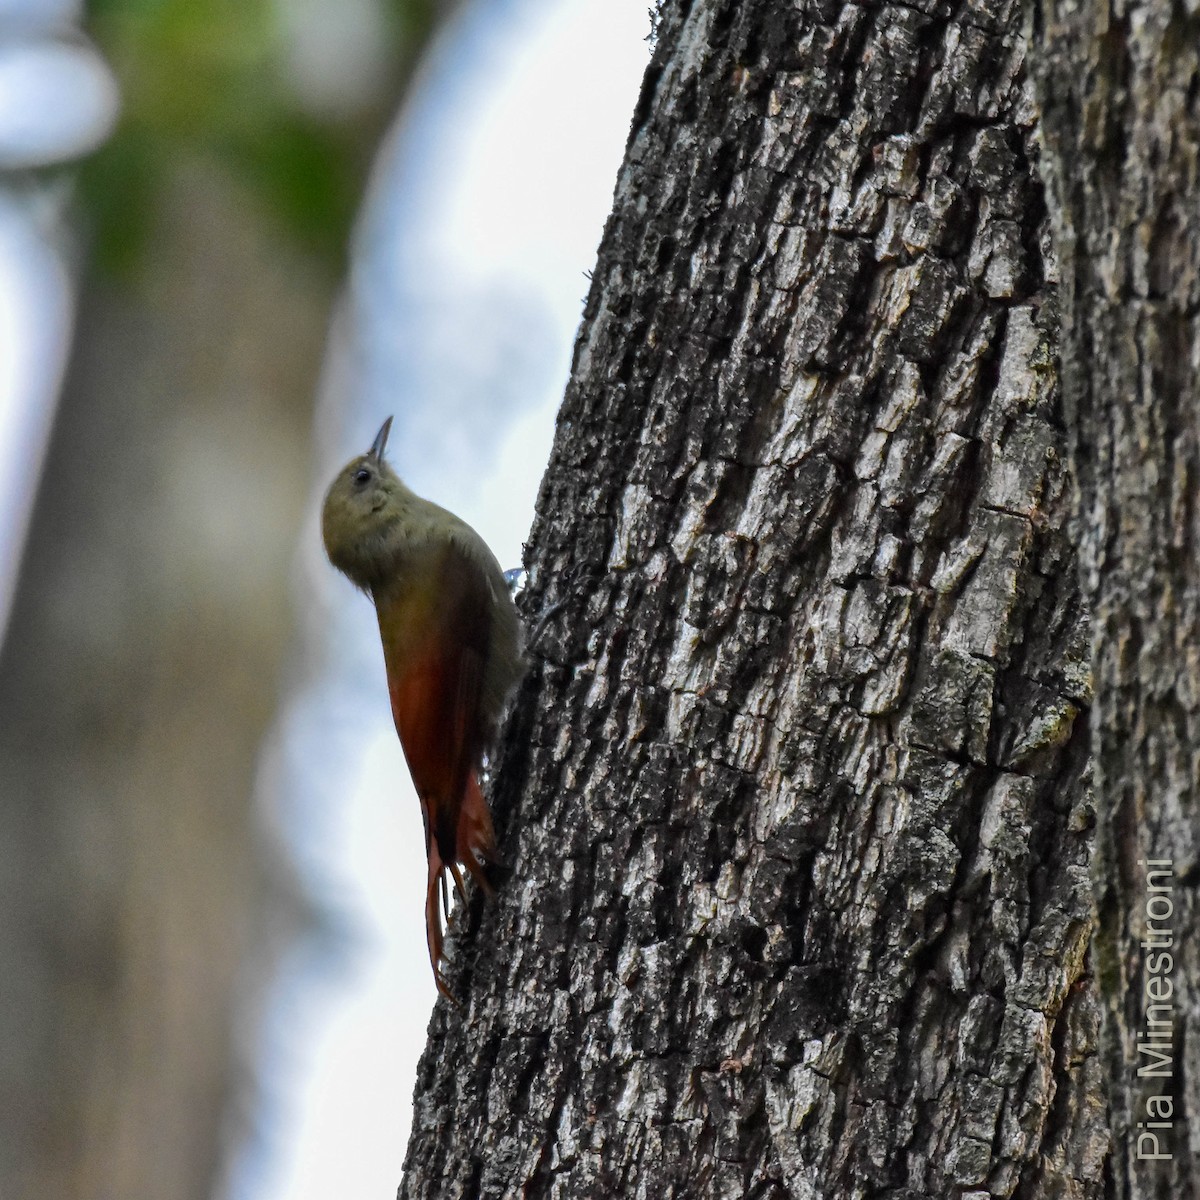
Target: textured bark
[[1120, 89], [796, 802]]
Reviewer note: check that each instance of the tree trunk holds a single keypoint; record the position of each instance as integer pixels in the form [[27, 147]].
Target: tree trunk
[[1122, 128], [143, 909], [795, 797], [140, 671]]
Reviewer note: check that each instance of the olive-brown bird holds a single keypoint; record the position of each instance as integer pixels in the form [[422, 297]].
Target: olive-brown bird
[[451, 645]]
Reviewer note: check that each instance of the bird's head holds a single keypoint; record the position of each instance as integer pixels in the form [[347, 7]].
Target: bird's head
[[362, 508]]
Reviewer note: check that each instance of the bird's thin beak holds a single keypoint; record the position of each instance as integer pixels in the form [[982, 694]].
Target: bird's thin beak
[[380, 442]]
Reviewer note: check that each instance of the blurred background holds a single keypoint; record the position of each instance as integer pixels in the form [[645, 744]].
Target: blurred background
[[234, 236]]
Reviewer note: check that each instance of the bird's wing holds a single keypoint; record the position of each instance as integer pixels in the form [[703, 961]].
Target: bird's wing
[[436, 646], [436, 660]]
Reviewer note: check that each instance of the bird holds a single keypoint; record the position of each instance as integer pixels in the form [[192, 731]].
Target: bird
[[452, 650]]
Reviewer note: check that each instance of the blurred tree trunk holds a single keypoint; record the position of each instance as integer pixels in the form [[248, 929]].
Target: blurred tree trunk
[[1120, 87], [796, 798], [141, 668]]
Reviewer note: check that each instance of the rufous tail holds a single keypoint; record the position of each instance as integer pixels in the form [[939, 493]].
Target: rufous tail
[[435, 905], [475, 845], [476, 837]]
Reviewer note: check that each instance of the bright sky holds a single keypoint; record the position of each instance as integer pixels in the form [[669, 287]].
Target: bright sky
[[57, 101], [35, 321], [485, 214]]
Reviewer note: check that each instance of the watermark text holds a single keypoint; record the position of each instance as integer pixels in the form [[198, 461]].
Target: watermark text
[[1155, 1103]]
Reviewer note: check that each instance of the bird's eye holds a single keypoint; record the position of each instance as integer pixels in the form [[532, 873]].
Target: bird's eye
[[361, 476]]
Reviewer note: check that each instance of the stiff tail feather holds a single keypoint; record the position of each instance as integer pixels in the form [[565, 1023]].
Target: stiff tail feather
[[436, 903], [475, 845], [476, 840]]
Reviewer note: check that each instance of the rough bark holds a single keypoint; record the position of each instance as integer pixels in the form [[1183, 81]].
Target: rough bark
[[1120, 89], [796, 797]]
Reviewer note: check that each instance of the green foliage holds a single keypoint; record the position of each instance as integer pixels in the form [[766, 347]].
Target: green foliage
[[206, 79]]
